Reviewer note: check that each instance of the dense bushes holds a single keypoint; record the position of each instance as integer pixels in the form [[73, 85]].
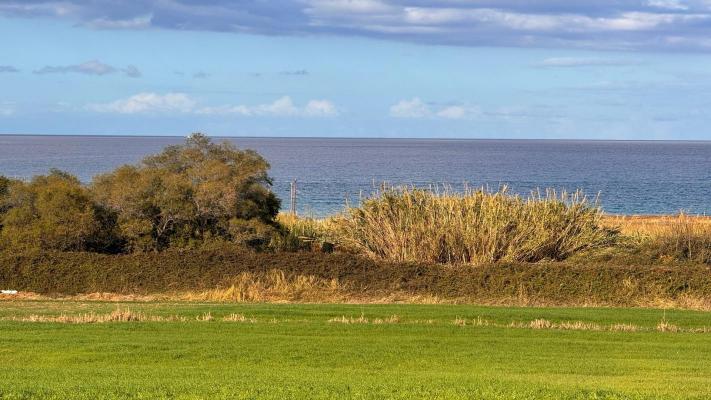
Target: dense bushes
[[53, 212], [186, 196], [472, 227], [206, 195]]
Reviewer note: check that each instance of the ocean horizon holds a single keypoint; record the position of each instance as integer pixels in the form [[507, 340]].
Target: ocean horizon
[[627, 176]]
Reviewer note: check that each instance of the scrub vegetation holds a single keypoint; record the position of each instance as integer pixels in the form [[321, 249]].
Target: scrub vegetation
[[199, 221]]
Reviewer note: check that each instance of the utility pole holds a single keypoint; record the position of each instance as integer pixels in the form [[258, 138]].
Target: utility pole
[[292, 207]]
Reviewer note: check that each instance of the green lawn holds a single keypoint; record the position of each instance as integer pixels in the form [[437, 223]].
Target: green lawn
[[293, 351]]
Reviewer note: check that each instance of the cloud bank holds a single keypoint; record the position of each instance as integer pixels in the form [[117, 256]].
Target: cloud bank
[[154, 103], [591, 24], [92, 67], [416, 108], [8, 68]]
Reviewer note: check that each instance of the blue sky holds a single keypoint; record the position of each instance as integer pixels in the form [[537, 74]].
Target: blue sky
[[371, 68]]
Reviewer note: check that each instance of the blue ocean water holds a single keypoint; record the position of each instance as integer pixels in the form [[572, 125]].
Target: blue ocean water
[[631, 177]]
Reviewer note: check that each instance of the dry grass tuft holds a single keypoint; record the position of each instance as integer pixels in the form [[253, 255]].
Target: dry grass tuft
[[393, 319], [665, 326], [578, 326], [238, 318], [349, 320], [205, 317], [404, 224], [540, 324], [624, 328]]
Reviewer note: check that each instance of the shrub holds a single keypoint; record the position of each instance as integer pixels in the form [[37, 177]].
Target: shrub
[[54, 212], [189, 194], [404, 224]]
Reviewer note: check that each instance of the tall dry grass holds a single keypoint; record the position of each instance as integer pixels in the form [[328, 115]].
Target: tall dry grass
[[680, 237], [304, 233], [271, 286], [477, 226]]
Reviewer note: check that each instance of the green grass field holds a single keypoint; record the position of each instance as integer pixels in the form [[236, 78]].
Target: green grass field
[[293, 351]]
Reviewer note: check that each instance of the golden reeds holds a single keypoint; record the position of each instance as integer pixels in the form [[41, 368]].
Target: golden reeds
[[680, 237], [406, 224]]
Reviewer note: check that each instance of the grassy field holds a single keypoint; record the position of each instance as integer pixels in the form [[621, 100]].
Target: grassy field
[[190, 350]]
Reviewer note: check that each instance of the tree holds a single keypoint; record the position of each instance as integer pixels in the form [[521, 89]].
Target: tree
[[4, 194], [189, 193], [53, 212]]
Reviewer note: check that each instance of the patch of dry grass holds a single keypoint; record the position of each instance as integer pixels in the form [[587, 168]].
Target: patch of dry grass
[[393, 319], [238, 318], [624, 328], [680, 237], [118, 315], [666, 326], [349, 320], [273, 286], [474, 227]]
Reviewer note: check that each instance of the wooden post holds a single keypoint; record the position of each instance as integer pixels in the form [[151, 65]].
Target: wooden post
[[292, 207]]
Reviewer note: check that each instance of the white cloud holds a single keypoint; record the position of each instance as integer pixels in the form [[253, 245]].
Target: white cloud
[[281, 107], [139, 22], [182, 103], [458, 112], [338, 7], [571, 62], [148, 103], [320, 108], [668, 4], [413, 108], [562, 24], [416, 108], [6, 108], [627, 21]]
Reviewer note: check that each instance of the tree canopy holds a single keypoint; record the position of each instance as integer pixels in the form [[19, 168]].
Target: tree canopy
[[184, 196], [189, 193], [52, 212]]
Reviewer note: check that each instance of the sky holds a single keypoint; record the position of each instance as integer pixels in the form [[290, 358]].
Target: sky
[[585, 69]]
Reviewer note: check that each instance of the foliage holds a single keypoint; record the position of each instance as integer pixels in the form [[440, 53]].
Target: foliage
[[190, 194], [403, 224], [53, 212]]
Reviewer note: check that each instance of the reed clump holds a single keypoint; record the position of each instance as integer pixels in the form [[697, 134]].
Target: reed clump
[[304, 233], [681, 237], [476, 226]]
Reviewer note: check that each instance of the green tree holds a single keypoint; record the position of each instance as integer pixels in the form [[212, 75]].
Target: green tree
[[4, 194], [190, 193], [53, 212]]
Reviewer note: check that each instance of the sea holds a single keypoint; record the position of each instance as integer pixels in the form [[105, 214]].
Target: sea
[[624, 177]]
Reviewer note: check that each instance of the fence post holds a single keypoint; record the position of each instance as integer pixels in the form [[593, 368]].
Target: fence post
[[292, 207]]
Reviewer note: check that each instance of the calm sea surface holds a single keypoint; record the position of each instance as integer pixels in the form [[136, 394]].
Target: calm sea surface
[[631, 177]]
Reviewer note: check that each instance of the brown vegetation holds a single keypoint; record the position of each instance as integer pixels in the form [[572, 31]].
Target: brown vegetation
[[242, 275]]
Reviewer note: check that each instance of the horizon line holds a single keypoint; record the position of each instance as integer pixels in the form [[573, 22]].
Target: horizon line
[[351, 137]]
